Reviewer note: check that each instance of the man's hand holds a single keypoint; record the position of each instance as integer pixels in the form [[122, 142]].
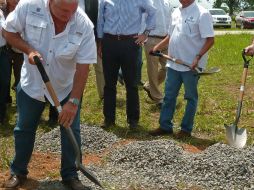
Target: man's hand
[[140, 39], [31, 55], [195, 63], [249, 50], [68, 114]]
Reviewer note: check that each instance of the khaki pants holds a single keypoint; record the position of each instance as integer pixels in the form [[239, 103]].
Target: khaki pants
[[100, 82], [156, 70]]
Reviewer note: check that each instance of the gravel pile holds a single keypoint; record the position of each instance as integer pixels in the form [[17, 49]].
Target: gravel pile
[[93, 140], [164, 165]]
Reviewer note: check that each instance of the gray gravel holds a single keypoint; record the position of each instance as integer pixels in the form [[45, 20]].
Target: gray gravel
[[93, 140], [162, 164]]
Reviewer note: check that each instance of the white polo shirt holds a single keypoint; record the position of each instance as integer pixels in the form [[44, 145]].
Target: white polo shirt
[[61, 52], [188, 31], [2, 40]]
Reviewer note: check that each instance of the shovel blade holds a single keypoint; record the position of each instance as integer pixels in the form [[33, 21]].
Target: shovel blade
[[236, 137], [89, 175]]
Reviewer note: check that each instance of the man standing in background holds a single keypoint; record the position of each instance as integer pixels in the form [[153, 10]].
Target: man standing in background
[[156, 66], [119, 23], [189, 38]]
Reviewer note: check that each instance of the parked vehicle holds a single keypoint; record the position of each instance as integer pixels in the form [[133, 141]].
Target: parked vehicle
[[245, 19], [220, 18]]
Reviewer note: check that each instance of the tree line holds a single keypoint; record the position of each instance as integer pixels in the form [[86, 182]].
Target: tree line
[[235, 5]]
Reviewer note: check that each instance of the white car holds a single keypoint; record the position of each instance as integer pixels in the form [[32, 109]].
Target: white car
[[220, 18]]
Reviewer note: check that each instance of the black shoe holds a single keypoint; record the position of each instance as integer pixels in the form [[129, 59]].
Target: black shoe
[[108, 124], [148, 93], [75, 184], [159, 132], [14, 181]]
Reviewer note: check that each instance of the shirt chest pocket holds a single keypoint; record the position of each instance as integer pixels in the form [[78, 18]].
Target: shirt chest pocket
[[67, 51], [34, 29], [190, 27]]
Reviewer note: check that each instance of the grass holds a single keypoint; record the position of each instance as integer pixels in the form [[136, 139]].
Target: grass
[[218, 96]]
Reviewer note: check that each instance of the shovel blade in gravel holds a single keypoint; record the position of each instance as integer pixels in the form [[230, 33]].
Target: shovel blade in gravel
[[90, 175], [236, 137]]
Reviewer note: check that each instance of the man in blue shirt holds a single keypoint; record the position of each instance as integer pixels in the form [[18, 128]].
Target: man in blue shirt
[[119, 23]]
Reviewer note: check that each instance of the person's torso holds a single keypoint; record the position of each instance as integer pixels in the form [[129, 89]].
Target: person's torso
[[185, 36], [122, 17]]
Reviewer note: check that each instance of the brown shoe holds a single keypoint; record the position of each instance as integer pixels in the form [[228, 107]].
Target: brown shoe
[[14, 181], [159, 132], [182, 135], [74, 184]]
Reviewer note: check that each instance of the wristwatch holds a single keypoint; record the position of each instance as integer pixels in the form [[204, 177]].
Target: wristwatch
[[146, 32], [74, 101]]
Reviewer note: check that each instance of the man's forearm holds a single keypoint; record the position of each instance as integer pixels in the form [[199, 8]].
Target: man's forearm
[[15, 40], [80, 79], [163, 44]]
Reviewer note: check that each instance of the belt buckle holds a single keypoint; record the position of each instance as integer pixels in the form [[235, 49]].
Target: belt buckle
[[118, 37]]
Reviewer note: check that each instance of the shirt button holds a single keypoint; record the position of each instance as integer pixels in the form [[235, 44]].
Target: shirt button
[[50, 51]]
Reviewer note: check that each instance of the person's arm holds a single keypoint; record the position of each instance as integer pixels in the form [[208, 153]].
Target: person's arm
[[161, 45], [100, 26], [208, 44], [70, 109], [249, 50], [150, 22], [16, 41]]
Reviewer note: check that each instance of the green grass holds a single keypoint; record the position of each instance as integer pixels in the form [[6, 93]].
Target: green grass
[[218, 96]]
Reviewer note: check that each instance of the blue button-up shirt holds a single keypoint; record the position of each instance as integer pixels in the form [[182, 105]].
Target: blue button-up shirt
[[123, 17]]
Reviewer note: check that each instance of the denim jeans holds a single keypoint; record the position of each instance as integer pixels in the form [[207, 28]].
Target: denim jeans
[[29, 113], [174, 80]]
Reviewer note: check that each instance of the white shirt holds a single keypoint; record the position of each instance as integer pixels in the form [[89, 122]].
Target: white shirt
[[163, 14], [188, 31], [81, 3], [61, 52], [2, 40]]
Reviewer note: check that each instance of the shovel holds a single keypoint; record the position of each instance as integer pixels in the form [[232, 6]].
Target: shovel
[[178, 61], [69, 132], [237, 137]]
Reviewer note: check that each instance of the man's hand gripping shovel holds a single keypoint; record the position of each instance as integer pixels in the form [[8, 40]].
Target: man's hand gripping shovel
[[235, 136], [69, 132]]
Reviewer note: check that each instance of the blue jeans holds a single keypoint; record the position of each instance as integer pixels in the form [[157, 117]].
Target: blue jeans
[[174, 80], [29, 113]]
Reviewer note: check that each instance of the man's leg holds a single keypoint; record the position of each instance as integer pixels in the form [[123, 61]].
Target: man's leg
[[191, 95], [155, 75], [68, 167], [99, 77], [129, 60], [5, 78], [172, 87], [29, 113], [111, 67]]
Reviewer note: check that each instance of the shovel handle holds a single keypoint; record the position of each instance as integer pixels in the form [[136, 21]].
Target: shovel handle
[[46, 81]]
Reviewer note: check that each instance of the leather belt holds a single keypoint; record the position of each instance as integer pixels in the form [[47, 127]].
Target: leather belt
[[119, 37], [154, 36]]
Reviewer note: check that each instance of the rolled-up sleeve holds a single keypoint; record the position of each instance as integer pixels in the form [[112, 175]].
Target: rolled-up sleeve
[[151, 14], [100, 21]]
